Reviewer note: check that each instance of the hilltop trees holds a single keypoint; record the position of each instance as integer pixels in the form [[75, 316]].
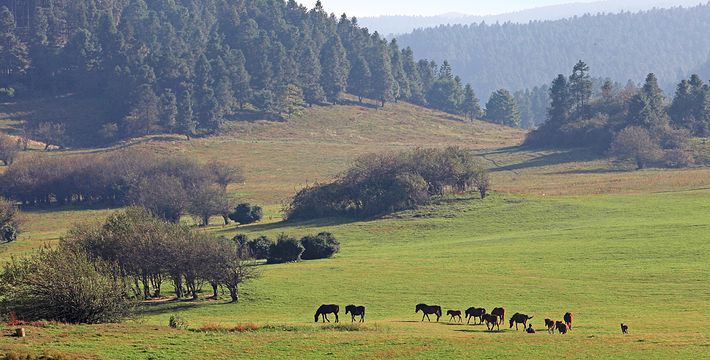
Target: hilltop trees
[[185, 67]]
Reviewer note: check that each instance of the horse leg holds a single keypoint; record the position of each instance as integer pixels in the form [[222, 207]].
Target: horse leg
[[326, 317], [336, 318]]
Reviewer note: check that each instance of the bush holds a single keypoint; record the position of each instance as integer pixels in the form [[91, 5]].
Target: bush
[[177, 322], [321, 246], [9, 148], [286, 249], [635, 143], [678, 158], [9, 223], [260, 247], [246, 214], [64, 285]]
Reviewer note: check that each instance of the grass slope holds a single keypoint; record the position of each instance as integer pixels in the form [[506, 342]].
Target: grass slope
[[639, 259]]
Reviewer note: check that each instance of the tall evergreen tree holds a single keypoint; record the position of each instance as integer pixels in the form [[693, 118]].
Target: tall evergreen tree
[[168, 110], [310, 76], [381, 70], [360, 79], [647, 108], [470, 106], [502, 109], [580, 87], [561, 103], [14, 57], [334, 69], [186, 123]]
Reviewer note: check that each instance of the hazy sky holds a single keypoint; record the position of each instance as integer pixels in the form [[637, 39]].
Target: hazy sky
[[430, 7]]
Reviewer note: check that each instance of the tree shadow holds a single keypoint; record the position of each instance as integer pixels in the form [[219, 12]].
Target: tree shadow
[[556, 158], [175, 305], [310, 224], [365, 104]]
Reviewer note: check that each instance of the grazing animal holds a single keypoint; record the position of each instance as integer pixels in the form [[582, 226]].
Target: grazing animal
[[491, 321], [624, 329], [568, 320], [475, 313], [519, 318], [499, 312], [530, 329], [454, 314], [324, 310], [550, 326], [561, 327], [356, 311], [429, 310]]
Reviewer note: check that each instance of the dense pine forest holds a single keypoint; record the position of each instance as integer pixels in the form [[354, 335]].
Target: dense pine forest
[[672, 43], [186, 66]]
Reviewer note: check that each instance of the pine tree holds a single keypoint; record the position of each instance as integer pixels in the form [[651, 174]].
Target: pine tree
[[561, 103], [647, 108], [334, 69], [186, 123], [145, 111], [401, 85], [168, 110], [470, 106], [416, 87], [580, 86], [360, 80], [502, 109], [381, 71], [310, 75], [14, 57], [240, 79]]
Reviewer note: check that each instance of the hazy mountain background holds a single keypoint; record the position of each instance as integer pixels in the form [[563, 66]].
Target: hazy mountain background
[[389, 25], [673, 43]]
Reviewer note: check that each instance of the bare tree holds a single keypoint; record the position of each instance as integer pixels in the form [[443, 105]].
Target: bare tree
[[9, 148], [635, 143]]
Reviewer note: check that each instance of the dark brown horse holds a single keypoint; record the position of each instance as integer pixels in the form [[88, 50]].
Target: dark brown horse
[[624, 329], [474, 312], [491, 321], [324, 310], [356, 311], [519, 318], [500, 313], [568, 320], [550, 326], [429, 310], [453, 314], [561, 327]]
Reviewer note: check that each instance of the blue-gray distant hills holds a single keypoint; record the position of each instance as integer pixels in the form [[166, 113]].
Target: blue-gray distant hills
[[673, 43]]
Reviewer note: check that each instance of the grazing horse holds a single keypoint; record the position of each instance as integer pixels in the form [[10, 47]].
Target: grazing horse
[[356, 311], [550, 326], [324, 310], [568, 320], [454, 314], [475, 313], [530, 330], [624, 329], [491, 321], [499, 312], [427, 310], [519, 318], [561, 327]]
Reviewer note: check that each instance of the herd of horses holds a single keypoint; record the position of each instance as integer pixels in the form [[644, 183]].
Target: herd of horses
[[492, 319]]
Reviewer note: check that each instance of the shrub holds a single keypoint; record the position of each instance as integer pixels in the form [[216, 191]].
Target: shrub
[[177, 322], [9, 148], [260, 247], [9, 222], [246, 214], [678, 158], [635, 143], [64, 285], [321, 246], [286, 249]]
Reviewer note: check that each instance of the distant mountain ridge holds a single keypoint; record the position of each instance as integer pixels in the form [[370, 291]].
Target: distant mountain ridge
[[672, 43], [401, 24]]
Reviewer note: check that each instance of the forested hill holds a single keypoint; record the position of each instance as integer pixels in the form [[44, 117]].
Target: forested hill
[[672, 43], [185, 66]]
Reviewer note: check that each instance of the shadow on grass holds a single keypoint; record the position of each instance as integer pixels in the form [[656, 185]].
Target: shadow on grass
[[310, 224], [175, 305], [472, 331], [555, 158]]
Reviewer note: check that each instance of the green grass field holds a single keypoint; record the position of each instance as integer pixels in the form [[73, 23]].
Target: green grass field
[[565, 231]]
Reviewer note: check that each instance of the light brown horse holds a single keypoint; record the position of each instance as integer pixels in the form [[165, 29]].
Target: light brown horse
[[491, 321], [568, 320], [519, 318], [453, 314]]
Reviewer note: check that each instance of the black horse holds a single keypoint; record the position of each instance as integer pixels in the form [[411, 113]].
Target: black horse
[[356, 311], [475, 313], [429, 310], [324, 310]]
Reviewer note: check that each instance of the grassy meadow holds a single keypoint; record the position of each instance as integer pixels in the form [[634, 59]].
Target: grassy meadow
[[564, 231]]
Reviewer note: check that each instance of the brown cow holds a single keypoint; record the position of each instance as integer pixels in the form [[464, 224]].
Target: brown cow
[[568, 320], [550, 326], [500, 313], [491, 321]]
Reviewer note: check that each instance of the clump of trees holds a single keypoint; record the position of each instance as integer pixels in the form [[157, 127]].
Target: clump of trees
[[9, 221], [246, 213], [169, 187], [383, 183], [64, 285], [185, 67], [631, 123], [9, 148], [289, 249], [148, 252]]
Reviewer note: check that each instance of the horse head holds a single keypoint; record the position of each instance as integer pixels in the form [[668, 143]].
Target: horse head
[[420, 307]]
